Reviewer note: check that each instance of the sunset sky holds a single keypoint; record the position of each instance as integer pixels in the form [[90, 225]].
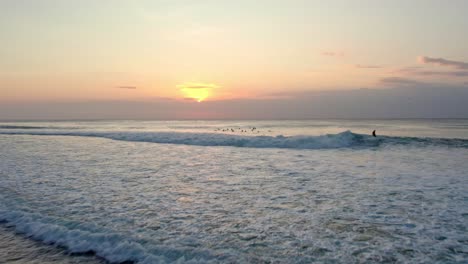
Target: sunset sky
[[193, 52]]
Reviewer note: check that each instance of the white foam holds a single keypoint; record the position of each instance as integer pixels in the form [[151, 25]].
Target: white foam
[[346, 139], [113, 247], [340, 140]]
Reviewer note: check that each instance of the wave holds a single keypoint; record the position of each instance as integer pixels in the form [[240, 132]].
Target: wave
[[346, 139], [21, 127], [81, 238]]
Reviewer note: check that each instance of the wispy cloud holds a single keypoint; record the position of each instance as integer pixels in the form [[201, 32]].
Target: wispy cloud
[[126, 87], [332, 54], [195, 85], [419, 71], [443, 62], [442, 73], [399, 81], [364, 66]]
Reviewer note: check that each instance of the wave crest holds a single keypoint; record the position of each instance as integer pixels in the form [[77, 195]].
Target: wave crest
[[346, 139], [113, 247]]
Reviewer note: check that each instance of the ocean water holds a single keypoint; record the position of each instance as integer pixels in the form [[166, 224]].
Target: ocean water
[[318, 191]]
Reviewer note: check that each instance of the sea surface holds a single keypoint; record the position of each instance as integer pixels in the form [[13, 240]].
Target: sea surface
[[317, 191]]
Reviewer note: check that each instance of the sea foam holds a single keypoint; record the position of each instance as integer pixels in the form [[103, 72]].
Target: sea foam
[[113, 247], [346, 139]]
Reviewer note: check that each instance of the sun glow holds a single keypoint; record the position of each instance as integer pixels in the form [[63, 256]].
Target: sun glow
[[196, 94], [197, 91]]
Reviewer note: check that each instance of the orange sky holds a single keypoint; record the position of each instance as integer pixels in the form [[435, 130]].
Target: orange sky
[[141, 50]]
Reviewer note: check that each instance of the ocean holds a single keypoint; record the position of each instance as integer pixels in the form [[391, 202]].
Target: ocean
[[313, 191]]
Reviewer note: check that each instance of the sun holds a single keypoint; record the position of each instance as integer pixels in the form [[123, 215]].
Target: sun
[[197, 91], [198, 94]]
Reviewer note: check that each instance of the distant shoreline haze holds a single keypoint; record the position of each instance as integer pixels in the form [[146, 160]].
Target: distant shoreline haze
[[396, 103]]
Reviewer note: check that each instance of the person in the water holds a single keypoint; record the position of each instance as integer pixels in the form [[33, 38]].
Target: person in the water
[[373, 133]]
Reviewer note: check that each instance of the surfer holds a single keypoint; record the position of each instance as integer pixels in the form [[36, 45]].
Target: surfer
[[373, 133]]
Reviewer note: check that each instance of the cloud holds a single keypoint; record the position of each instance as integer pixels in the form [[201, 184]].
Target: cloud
[[126, 87], [400, 81], [443, 62], [408, 69], [196, 85], [333, 54], [442, 73], [419, 71], [361, 66]]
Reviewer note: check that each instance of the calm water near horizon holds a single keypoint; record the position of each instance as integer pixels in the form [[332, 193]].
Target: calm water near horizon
[[322, 191]]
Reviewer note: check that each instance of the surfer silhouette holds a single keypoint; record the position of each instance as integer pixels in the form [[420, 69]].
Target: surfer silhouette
[[373, 133]]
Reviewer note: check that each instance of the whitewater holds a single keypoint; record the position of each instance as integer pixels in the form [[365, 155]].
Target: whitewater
[[321, 191]]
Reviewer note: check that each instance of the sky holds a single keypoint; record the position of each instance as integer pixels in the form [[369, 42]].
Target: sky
[[216, 59]]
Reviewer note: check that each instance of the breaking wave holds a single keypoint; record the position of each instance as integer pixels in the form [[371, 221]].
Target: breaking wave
[[82, 238], [20, 127], [346, 139]]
